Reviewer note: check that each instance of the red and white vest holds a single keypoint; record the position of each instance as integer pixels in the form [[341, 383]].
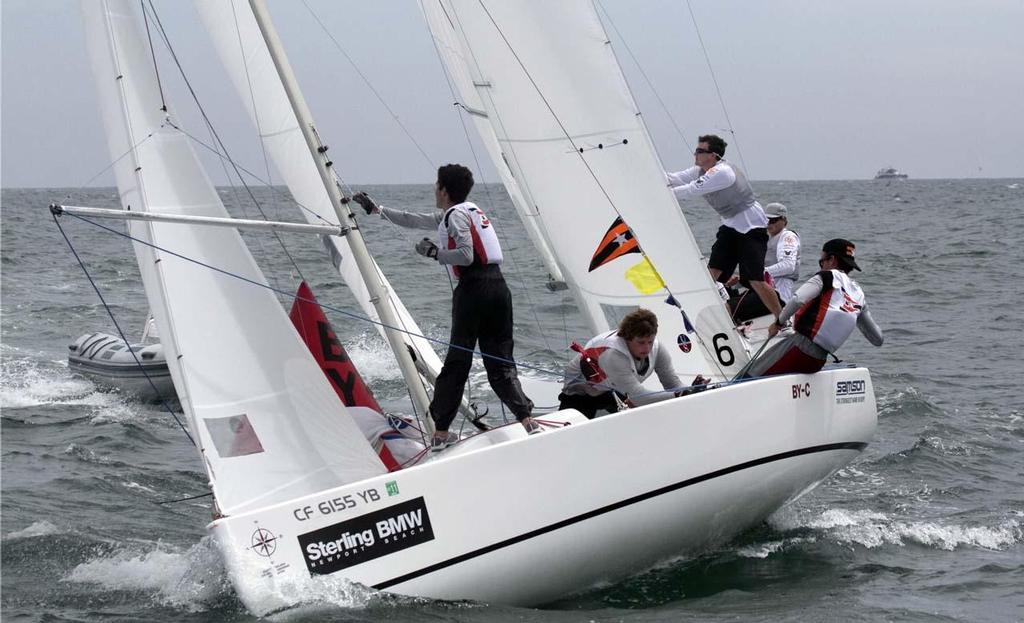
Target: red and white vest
[[829, 318], [486, 248]]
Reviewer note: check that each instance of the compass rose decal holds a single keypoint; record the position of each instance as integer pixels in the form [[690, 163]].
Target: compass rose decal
[[263, 542]]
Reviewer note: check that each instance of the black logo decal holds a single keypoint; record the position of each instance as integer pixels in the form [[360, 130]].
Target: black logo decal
[[366, 537]]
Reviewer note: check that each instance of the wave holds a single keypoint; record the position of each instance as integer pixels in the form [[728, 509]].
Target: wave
[[192, 579], [873, 529]]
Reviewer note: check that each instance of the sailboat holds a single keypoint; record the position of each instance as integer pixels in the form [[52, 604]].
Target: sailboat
[[301, 499]]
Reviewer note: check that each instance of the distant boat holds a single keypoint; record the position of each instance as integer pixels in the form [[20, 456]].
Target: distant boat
[[889, 173]]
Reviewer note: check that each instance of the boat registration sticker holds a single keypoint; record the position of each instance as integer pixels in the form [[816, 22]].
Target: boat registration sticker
[[366, 537]]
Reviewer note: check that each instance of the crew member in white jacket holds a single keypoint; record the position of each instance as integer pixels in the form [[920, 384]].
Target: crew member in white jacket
[[742, 238], [782, 261], [618, 362]]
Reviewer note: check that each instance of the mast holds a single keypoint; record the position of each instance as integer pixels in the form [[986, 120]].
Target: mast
[[360, 253]]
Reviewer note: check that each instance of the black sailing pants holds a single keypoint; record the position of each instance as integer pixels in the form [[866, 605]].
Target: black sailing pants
[[481, 310]]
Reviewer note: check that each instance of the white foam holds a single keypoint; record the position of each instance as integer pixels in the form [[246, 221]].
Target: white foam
[[180, 578], [872, 529], [763, 550], [25, 384], [373, 359], [39, 528]]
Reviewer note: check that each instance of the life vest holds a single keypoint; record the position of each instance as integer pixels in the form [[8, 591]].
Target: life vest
[[829, 318], [733, 199], [486, 248]]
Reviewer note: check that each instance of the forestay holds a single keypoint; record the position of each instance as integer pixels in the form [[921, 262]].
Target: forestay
[[268, 425], [244, 54], [567, 125]]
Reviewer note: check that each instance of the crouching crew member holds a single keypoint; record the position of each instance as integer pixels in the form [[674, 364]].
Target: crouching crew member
[[618, 362], [824, 310], [481, 303]]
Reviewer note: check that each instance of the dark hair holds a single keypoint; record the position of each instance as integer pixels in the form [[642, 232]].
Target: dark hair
[[457, 180], [843, 251], [639, 323], [715, 143]]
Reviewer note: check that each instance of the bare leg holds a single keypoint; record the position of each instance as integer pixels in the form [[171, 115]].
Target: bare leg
[[768, 296]]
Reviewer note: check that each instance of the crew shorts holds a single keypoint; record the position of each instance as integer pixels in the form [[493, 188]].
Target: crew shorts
[[747, 250]]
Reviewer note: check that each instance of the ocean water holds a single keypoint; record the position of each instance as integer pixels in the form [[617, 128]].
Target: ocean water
[[926, 525]]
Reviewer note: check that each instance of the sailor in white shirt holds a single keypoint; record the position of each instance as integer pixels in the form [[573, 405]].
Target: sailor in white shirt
[[782, 261], [742, 238]]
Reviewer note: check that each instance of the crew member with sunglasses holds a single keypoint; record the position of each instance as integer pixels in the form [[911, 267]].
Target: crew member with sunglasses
[[742, 238], [825, 311]]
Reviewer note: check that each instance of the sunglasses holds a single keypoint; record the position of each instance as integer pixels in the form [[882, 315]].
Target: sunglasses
[[700, 150], [774, 219]]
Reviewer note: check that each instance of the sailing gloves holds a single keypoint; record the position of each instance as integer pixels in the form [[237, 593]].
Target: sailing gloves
[[426, 248], [364, 200]]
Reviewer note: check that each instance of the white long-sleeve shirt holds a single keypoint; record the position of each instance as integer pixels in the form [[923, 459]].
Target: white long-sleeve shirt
[[694, 182], [458, 229], [782, 262]]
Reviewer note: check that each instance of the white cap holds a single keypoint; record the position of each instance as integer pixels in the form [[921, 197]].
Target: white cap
[[775, 210]]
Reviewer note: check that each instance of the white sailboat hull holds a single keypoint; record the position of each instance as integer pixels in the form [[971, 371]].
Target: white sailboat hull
[[535, 518]]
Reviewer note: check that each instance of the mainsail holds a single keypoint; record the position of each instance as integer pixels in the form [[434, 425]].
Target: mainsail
[[244, 54], [267, 423], [567, 125]]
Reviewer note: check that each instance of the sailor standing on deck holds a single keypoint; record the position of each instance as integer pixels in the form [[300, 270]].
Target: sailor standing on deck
[[481, 303], [742, 238], [825, 311]]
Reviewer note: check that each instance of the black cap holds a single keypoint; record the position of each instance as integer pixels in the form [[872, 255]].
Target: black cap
[[842, 250]]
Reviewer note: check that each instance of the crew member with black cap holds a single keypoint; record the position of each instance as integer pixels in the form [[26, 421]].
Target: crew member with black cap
[[824, 310], [742, 238], [481, 303]]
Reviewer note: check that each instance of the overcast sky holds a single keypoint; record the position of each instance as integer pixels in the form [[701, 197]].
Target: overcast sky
[[815, 89]]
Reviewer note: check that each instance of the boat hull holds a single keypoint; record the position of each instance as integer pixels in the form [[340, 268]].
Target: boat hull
[[532, 519]]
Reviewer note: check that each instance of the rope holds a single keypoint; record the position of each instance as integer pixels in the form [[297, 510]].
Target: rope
[[193, 497], [152, 52], [367, 82], [120, 331], [590, 170], [650, 84], [216, 136], [721, 100], [292, 296]]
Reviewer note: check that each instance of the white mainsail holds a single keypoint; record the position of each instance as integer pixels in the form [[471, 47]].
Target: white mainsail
[[459, 73], [567, 124], [244, 54], [267, 423]]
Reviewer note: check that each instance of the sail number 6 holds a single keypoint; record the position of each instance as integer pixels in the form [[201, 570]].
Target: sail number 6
[[723, 352]]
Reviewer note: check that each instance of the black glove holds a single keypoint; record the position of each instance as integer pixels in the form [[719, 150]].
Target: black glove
[[364, 200], [426, 248]]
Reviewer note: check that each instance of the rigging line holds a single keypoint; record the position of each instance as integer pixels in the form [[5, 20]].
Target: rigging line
[[366, 81], [476, 159], [120, 331], [115, 161], [289, 295], [193, 497], [586, 164], [643, 73], [213, 132], [721, 100], [152, 52], [252, 96], [254, 176]]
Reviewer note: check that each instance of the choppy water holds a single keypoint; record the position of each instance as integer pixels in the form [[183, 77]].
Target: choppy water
[[928, 524]]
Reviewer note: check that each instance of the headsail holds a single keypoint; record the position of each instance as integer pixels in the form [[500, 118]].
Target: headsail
[[244, 54], [567, 124], [460, 74], [269, 426]]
